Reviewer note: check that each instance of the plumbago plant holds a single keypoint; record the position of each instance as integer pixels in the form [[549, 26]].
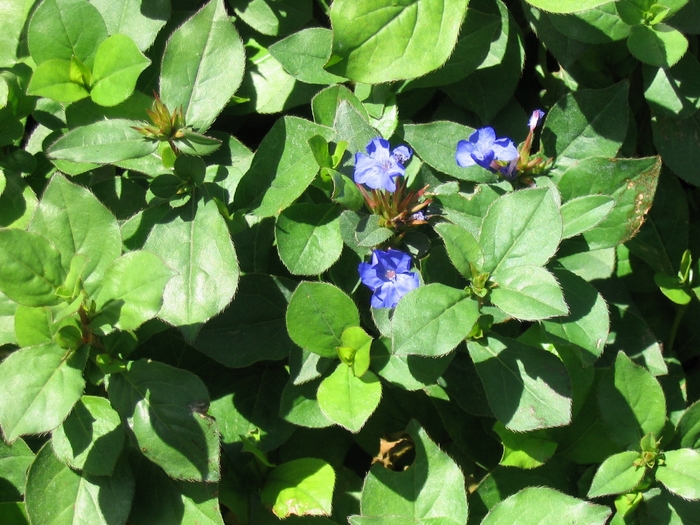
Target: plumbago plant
[[350, 261]]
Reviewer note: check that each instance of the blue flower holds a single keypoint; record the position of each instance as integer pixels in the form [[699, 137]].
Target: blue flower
[[378, 169], [535, 119], [388, 277], [483, 148]]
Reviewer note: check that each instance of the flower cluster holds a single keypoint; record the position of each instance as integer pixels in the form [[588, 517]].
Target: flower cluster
[[388, 277], [165, 125], [500, 155]]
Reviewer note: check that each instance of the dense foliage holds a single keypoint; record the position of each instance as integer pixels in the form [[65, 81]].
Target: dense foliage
[[375, 262]]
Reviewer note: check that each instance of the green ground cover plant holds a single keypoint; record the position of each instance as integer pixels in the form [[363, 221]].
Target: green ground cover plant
[[366, 262]]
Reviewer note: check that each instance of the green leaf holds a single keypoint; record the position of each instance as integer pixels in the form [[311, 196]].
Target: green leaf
[[492, 85], [478, 30], [467, 210], [30, 268], [355, 349], [586, 439], [325, 104], [102, 142], [586, 328], [248, 404], [77, 223], [14, 462], [14, 513], [202, 65], [525, 451], [661, 506], [43, 382], [687, 18], [429, 491], [7, 320], [632, 403], [304, 54], [411, 372], [165, 408], [190, 169], [87, 112], [677, 142], [587, 123], [308, 237], [195, 144], [267, 87], [301, 487], [33, 326], [17, 203], [566, 50], [11, 28], [362, 232], [535, 504], [663, 238], [99, 500], [274, 18], [195, 242], [673, 289], [132, 290], [139, 19], [659, 45], [345, 192], [599, 25], [348, 400], [255, 320], [528, 292], [585, 213], [566, 6], [352, 127], [631, 182], [432, 320], [65, 28], [520, 228], [52, 79], [91, 438], [299, 405], [680, 473], [436, 144], [317, 316], [629, 330], [527, 388], [689, 427], [161, 500], [379, 41], [461, 247], [618, 474], [118, 64], [674, 91], [282, 168]]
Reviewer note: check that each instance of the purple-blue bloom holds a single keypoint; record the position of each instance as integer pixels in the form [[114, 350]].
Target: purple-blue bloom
[[483, 148], [388, 276], [535, 119], [378, 169]]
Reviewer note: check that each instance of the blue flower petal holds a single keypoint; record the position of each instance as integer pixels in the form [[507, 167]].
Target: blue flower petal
[[504, 149], [535, 119], [464, 154], [369, 277]]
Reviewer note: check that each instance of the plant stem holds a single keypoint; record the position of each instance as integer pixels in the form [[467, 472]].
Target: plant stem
[[680, 312]]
